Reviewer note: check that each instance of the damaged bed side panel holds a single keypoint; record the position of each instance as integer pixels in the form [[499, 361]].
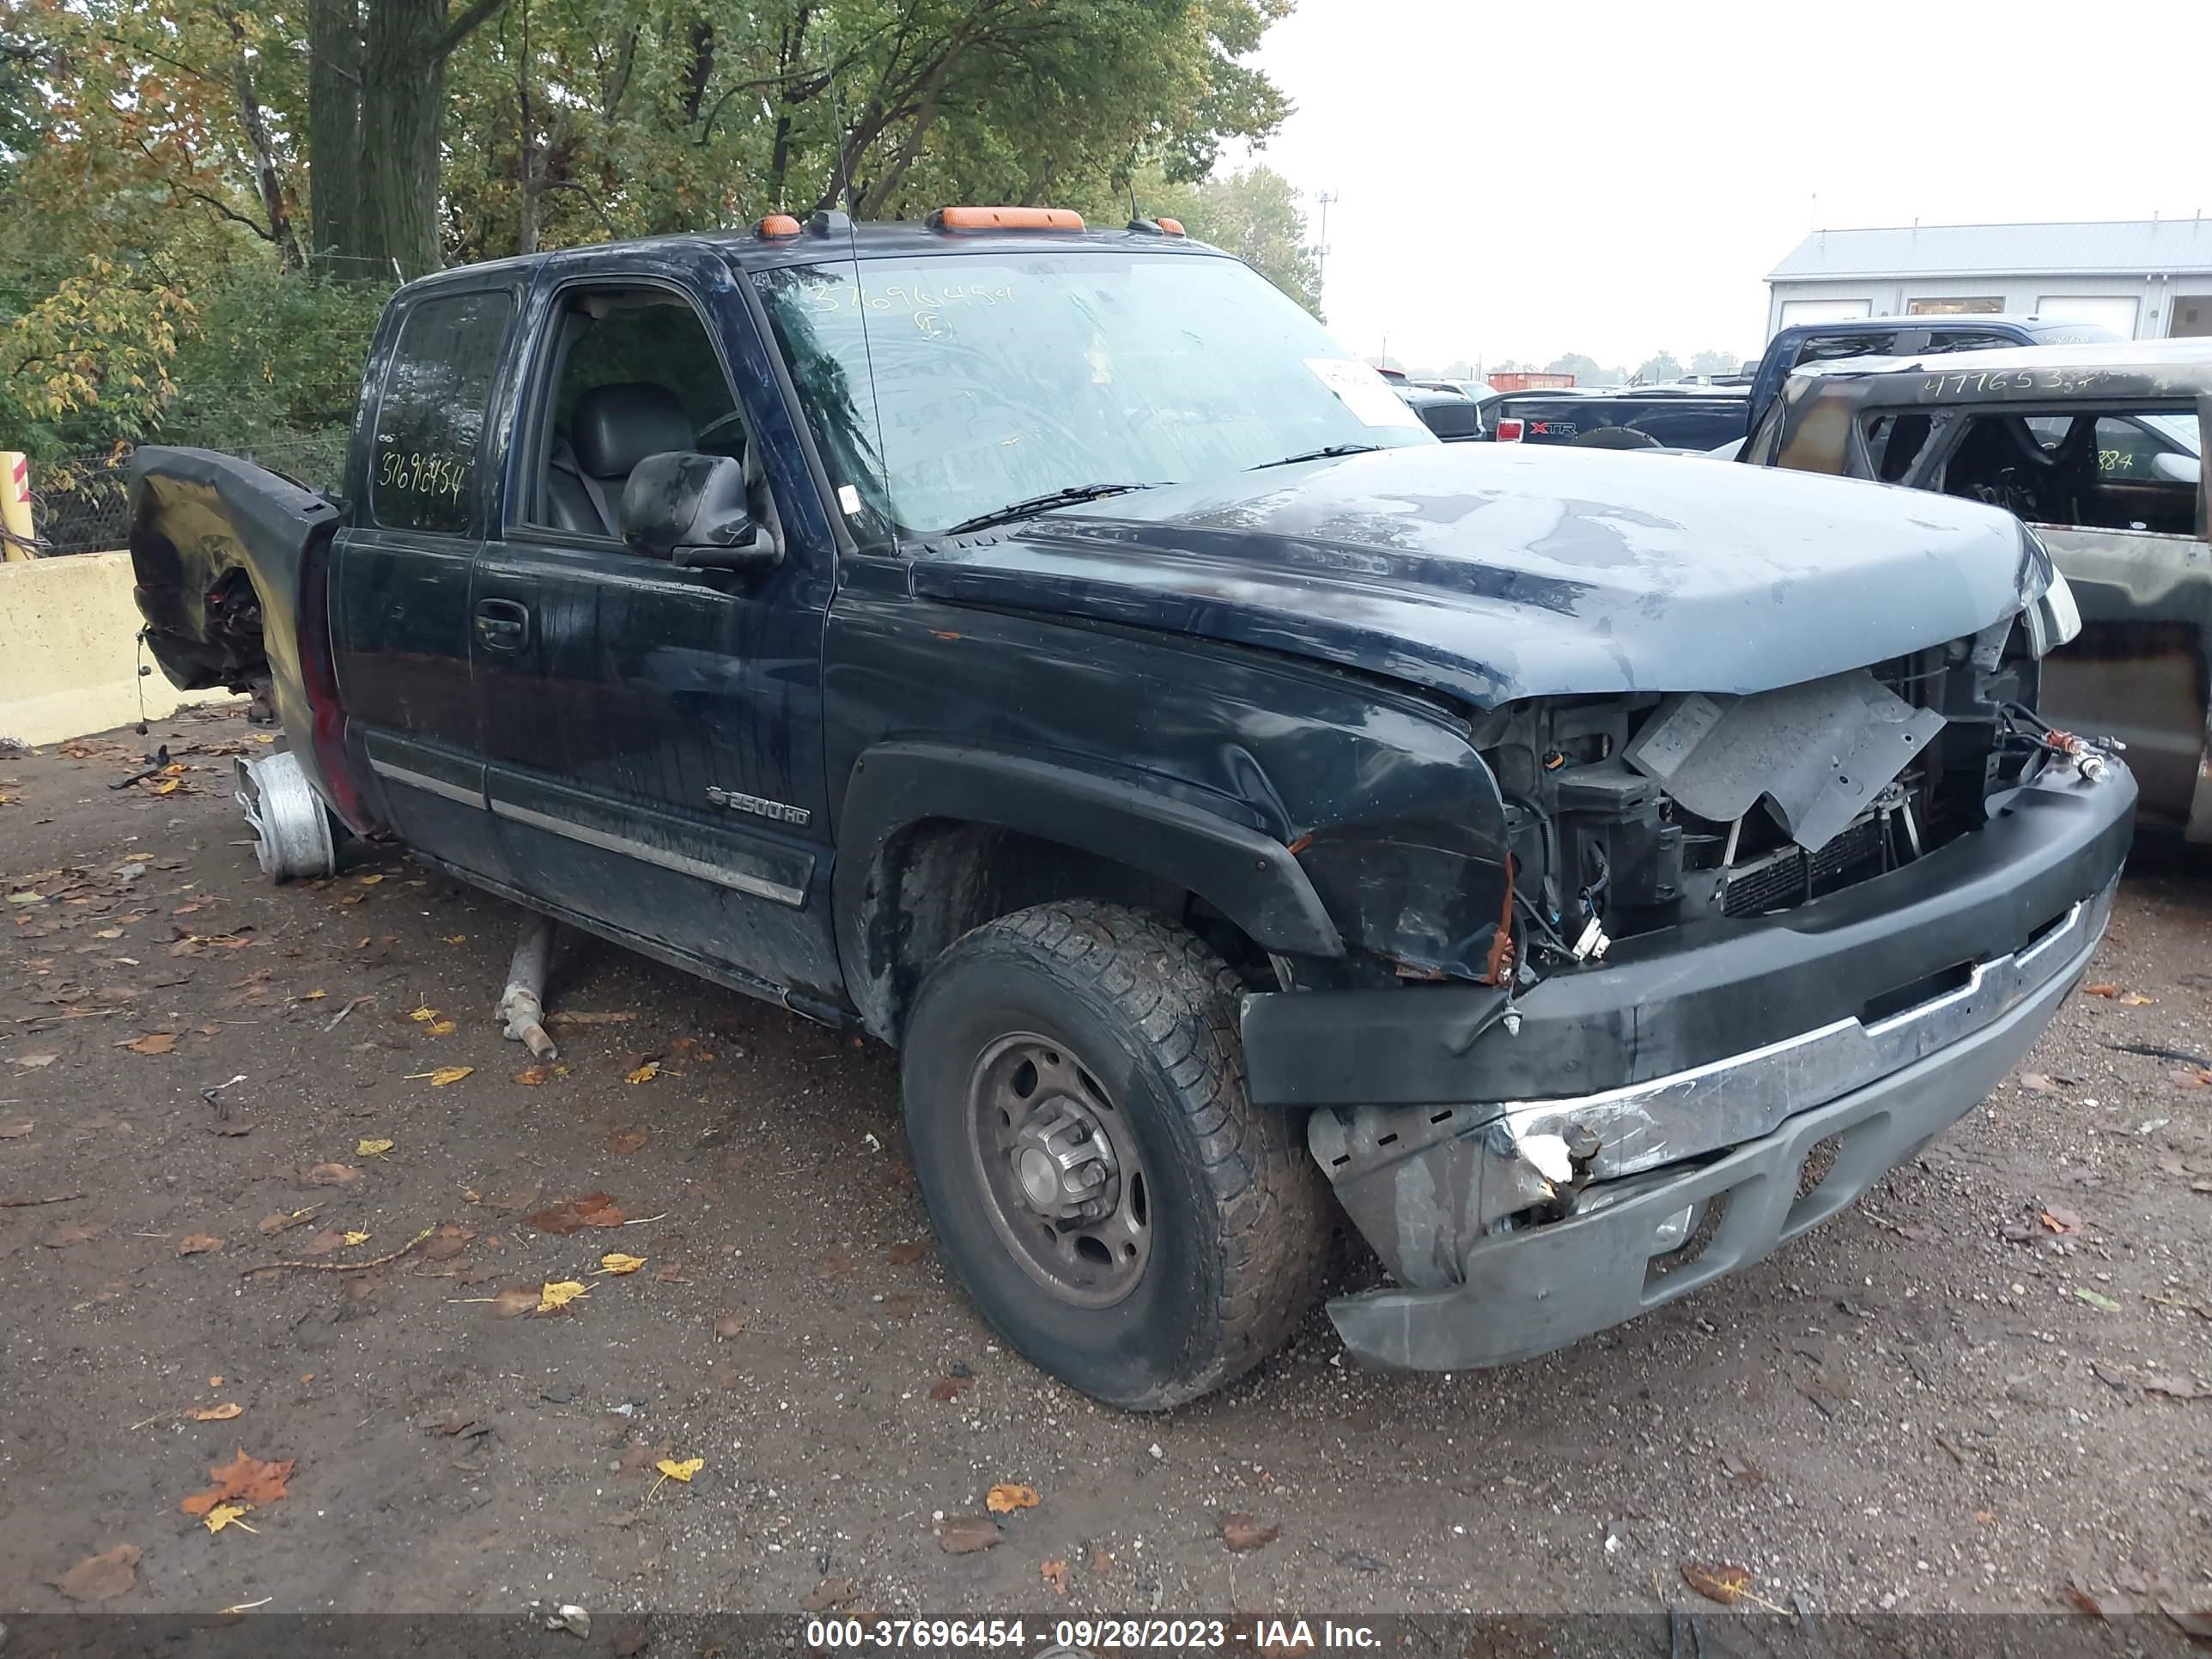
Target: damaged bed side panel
[[228, 559]]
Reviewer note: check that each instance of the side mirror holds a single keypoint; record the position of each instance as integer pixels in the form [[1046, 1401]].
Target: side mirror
[[2175, 467], [689, 509]]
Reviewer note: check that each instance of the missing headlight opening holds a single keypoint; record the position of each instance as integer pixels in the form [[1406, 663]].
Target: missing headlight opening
[[1631, 814]]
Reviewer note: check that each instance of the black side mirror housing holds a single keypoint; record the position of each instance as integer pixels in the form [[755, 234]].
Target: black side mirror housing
[[691, 510]]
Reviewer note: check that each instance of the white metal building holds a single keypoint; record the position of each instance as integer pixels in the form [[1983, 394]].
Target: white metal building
[[2149, 279]]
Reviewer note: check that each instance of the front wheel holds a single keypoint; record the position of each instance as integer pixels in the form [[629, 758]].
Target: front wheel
[[1123, 1215]]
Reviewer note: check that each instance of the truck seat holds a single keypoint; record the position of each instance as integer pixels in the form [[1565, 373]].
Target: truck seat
[[613, 428]]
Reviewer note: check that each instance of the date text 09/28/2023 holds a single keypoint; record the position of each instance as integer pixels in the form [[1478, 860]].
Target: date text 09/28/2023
[[1067, 1638]]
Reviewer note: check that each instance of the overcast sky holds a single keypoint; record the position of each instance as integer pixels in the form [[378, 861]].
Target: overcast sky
[[1582, 175]]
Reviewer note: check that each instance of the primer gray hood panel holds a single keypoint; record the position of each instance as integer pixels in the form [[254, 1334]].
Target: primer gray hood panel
[[1494, 571]]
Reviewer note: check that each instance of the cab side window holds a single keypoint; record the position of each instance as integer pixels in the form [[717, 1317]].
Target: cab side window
[[633, 373], [430, 416], [2098, 469]]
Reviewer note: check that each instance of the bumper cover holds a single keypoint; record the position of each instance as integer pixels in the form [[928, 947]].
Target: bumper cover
[[1911, 996], [1528, 1292]]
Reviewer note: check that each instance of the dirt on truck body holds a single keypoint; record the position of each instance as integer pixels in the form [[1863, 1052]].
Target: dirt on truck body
[[1049, 652]]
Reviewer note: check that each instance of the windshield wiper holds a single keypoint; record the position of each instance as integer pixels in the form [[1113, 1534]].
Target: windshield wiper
[[1045, 503], [1327, 453]]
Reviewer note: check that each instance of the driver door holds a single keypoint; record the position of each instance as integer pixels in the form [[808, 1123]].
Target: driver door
[[653, 734]]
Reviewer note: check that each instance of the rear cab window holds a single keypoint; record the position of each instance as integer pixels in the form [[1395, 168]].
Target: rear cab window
[[431, 415]]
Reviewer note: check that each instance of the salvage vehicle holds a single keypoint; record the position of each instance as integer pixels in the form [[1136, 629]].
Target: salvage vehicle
[[1048, 651], [1671, 416], [1452, 416], [2100, 448], [1800, 345]]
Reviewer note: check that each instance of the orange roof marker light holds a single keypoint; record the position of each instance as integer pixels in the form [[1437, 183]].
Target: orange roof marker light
[[1173, 226], [780, 224], [1006, 218]]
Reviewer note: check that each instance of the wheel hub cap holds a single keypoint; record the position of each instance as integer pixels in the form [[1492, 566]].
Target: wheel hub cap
[[1063, 1162]]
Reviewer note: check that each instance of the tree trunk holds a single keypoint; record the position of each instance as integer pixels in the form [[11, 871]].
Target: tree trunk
[[334, 133], [267, 182], [401, 103], [525, 234]]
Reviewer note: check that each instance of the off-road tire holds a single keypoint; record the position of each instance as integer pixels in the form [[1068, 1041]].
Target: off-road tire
[[1242, 1219]]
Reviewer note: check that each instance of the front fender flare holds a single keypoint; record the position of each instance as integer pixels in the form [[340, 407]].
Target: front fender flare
[[1248, 876]]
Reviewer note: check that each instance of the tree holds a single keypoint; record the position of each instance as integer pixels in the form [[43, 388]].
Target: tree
[[1659, 366], [1584, 369], [1714, 362], [1253, 212]]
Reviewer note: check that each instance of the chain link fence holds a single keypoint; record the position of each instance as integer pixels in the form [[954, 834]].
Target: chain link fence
[[79, 505]]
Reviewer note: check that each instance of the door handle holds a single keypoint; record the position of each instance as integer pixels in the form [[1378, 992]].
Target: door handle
[[502, 625]]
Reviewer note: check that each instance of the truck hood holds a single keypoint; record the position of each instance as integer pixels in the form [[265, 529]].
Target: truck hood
[[1491, 572]]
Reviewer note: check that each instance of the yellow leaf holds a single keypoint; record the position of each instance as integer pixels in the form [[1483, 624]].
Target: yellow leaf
[[683, 1471], [443, 1075], [457, 939], [645, 1074], [370, 881], [312, 996], [170, 788], [559, 1294], [226, 1515], [440, 1028], [264, 737], [372, 1148], [356, 1238], [1006, 1499], [616, 1262], [109, 932], [423, 1016], [222, 1414]]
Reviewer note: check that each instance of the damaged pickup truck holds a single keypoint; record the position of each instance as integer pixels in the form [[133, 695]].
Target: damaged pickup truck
[[1048, 651]]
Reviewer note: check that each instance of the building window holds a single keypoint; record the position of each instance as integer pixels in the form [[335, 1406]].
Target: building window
[[1954, 307]]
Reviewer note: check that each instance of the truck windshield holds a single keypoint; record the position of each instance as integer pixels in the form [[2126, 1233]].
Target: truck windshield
[[1003, 378]]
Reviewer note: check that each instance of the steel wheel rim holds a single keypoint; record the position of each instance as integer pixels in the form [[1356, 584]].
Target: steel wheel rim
[[1041, 1129]]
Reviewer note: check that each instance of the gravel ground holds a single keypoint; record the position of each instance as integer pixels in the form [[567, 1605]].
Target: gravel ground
[[1989, 1382]]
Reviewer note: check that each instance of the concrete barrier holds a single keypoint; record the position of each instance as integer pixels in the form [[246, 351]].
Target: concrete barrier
[[69, 651]]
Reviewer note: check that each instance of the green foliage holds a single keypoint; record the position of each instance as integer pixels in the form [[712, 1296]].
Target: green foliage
[[160, 280], [1659, 365]]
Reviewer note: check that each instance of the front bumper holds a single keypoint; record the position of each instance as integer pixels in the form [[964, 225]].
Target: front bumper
[[1979, 943]]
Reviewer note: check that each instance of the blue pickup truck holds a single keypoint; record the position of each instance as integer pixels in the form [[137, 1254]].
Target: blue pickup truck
[[1049, 653]]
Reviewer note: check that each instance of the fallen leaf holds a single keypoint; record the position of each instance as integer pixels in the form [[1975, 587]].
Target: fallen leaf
[[440, 1028], [198, 1244], [243, 1480], [1006, 1499], [34, 1062], [423, 1016], [907, 1253], [69, 1233], [2136, 999], [683, 1471], [226, 1515], [831, 1593], [574, 1214], [2039, 1083], [2105, 989], [324, 1242], [154, 1042], [2096, 1299], [558, 1294], [370, 881], [644, 1073], [457, 939], [509, 1304], [2174, 1388], [948, 1388], [100, 1577], [2061, 1221], [222, 1414], [356, 1238], [623, 1142], [312, 996], [964, 1534], [2083, 1601], [372, 1148], [17, 1130], [728, 1326], [534, 1075], [443, 1076], [1241, 1533], [333, 1175], [282, 1219], [1727, 1585], [1054, 1573], [616, 1262]]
